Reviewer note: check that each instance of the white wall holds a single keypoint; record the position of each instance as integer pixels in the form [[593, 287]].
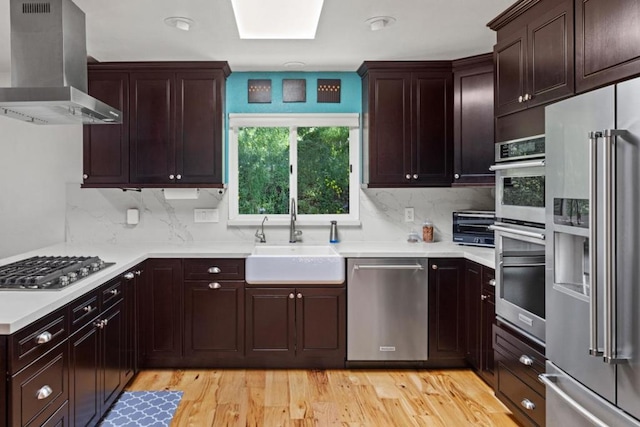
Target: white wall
[[36, 163]]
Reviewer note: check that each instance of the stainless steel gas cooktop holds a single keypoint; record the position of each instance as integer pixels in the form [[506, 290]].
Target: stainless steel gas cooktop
[[49, 272]]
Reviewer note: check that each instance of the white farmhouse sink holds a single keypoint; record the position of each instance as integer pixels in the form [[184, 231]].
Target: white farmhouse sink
[[294, 264]]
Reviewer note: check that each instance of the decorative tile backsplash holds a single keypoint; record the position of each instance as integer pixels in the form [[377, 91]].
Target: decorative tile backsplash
[[99, 215]]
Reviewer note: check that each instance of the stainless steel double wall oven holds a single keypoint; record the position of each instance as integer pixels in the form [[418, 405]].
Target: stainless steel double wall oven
[[520, 234]]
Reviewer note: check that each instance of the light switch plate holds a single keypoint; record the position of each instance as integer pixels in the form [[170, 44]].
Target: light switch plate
[[408, 215], [206, 215]]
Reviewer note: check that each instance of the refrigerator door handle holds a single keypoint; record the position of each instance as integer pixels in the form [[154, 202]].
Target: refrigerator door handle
[[549, 381], [594, 350], [610, 355]]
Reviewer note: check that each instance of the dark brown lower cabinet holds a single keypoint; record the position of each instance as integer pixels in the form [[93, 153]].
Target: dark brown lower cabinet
[[85, 377], [518, 363], [3, 381], [300, 327], [447, 317], [213, 322], [481, 314], [160, 318]]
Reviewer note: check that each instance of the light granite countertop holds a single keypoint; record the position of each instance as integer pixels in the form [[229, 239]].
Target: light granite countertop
[[20, 308]]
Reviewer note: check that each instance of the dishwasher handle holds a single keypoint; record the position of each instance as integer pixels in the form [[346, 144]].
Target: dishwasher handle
[[388, 267]]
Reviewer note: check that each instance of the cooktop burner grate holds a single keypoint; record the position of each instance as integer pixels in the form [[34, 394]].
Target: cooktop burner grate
[[48, 272]]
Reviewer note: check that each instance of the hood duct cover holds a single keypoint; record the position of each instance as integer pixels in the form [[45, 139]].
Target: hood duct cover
[[49, 67]]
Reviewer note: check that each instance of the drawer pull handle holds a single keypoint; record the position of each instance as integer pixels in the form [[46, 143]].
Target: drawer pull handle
[[44, 338], [528, 405], [87, 309], [215, 285], [114, 292], [44, 392], [100, 324], [526, 360], [214, 270], [129, 276]]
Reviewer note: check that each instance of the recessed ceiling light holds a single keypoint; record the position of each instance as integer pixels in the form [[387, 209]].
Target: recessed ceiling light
[[380, 22], [294, 65], [277, 19], [180, 22]]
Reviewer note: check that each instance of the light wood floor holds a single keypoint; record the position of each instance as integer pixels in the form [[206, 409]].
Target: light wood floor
[[328, 398]]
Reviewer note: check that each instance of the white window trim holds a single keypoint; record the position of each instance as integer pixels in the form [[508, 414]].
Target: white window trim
[[352, 121]]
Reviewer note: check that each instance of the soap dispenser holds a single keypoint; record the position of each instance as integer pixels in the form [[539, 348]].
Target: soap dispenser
[[333, 232]]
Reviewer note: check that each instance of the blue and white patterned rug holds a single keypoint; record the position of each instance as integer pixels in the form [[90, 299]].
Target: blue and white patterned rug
[[143, 409]]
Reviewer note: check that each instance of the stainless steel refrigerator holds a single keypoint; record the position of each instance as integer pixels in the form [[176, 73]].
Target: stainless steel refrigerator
[[593, 258]]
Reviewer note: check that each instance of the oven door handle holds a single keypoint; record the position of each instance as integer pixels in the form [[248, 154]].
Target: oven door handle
[[517, 165], [539, 236]]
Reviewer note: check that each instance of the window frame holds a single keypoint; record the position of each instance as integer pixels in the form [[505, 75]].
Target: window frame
[[294, 121]]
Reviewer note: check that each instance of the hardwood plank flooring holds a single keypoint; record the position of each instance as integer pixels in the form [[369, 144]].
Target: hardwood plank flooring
[[353, 398]]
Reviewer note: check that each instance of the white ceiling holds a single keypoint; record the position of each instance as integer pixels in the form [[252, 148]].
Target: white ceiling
[[133, 30]]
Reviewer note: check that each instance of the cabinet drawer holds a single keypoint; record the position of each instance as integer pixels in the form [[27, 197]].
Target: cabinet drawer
[[521, 359], [111, 293], [527, 404], [33, 341], [214, 269], [83, 310], [38, 391]]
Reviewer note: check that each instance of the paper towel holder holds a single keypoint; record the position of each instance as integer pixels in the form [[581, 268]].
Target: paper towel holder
[[181, 193]]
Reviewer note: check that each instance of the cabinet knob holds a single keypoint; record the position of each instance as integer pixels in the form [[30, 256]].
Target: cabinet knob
[[483, 297], [408, 176], [178, 176], [299, 295], [99, 324], [520, 99], [44, 337], [85, 176], [139, 272], [214, 285], [129, 276], [434, 267], [456, 176], [291, 296], [87, 309], [214, 270], [44, 392], [171, 176], [528, 405], [492, 282], [526, 360], [114, 292], [527, 97], [415, 176]]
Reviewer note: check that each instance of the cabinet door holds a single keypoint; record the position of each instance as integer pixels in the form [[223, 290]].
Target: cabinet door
[[607, 42], [161, 312], [320, 322], [550, 71], [446, 309], [3, 381], [510, 65], [473, 134], [487, 319], [106, 147], [473, 302], [389, 133], [199, 125], [84, 376], [112, 352], [152, 127], [432, 129], [270, 325], [214, 320]]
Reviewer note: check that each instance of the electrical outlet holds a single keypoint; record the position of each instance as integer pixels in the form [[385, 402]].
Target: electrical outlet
[[206, 215], [408, 215]]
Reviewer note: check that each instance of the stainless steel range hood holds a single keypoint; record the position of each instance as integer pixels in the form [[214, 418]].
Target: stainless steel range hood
[[49, 67]]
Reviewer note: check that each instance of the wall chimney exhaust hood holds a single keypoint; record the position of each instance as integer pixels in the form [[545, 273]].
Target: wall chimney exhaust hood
[[49, 67]]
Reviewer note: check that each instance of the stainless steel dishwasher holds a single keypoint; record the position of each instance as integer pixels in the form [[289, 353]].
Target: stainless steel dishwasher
[[387, 309]]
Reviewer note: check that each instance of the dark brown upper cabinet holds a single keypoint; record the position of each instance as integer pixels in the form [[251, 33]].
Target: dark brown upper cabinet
[[408, 123], [106, 147], [607, 42], [173, 126], [473, 123], [534, 54]]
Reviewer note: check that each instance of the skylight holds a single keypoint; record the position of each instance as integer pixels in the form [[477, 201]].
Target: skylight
[[277, 19]]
